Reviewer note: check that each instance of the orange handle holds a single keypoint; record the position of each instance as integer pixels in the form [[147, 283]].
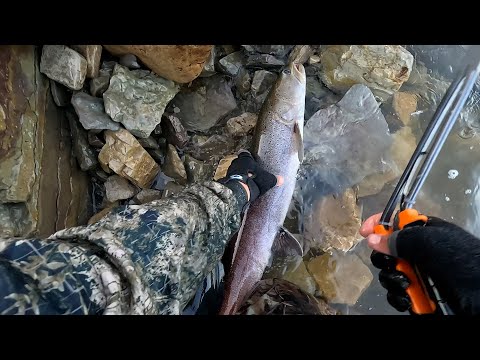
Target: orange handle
[[421, 302]]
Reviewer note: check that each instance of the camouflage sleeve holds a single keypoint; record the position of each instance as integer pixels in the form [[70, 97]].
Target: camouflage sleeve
[[139, 259]]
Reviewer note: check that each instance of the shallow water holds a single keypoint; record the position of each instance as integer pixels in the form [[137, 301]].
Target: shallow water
[[452, 189]]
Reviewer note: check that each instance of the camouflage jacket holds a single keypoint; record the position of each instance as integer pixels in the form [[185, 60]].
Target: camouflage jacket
[[139, 259]]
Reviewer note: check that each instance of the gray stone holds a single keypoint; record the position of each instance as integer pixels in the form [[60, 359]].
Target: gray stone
[[202, 107], [205, 148], [146, 196], [262, 82], [90, 111], [172, 188], [243, 82], [99, 85], [209, 67], [107, 68], [345, 142], [95, 139], [264, 61], [300, 54], [198, 171], [64, 65], [244, 143], [232, 63], [61, 95], [138, 99], [129, 61], [174, 167], [241, 125], [277, 50], [92, 53], [174, 131], [118, 188], [148, 143], [383, 68], [86, 156]]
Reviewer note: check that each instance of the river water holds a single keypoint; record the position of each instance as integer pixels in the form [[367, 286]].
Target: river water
[[451, 191]]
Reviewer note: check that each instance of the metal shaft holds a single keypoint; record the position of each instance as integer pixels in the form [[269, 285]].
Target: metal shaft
[[464, 90]]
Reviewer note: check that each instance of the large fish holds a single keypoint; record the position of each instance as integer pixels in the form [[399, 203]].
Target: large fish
[[278, 148]]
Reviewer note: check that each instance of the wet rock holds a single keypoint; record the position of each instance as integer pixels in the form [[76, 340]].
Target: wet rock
[[100, 215], [95, 139], [197, 171], [404, 105], [402, 147], [203, 107], [86, 156], [232, 63], [172, 188], [61, 95], [63, 65], [180, 63], [174, 167], [241, 125], [158, 155], [426, 87], [91, 112], [301, 277], [341, 278], [243, 82], [277, 50], [262, 82], [129, 61], [118, 188], [149, 143], [138, 99], [92, 53], [146, 196], [205, 148], [107, 68], [383, 68], [300, 54], [125, 156], [223, 166], [174, 131], [209, 67], [345, 142], [334, 222], [99, 85], [281, 297], [264, 61], [228, 49]]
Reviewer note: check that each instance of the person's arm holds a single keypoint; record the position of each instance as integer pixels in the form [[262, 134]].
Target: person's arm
[[139, 259], [441, 250]]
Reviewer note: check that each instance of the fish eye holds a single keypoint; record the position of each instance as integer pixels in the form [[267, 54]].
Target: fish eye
[[287, 72]]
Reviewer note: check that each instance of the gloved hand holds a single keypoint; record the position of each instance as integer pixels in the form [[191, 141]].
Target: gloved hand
[[255, 180], [441, 250]]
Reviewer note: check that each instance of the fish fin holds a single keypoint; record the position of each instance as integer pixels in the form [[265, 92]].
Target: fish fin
[[298, 141], [285, 243]]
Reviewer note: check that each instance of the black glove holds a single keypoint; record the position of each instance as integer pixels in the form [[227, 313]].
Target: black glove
[[259, 181], [441, 250]]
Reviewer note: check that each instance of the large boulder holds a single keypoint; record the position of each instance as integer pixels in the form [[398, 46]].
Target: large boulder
[[138, 99], [180, 63]]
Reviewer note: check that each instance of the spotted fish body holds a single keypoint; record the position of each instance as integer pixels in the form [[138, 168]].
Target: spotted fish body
[[278, 148]]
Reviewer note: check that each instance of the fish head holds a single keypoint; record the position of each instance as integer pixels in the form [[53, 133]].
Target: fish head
[[289, 94]]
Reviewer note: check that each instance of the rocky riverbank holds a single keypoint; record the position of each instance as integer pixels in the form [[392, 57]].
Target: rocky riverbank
[[84, 128]]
